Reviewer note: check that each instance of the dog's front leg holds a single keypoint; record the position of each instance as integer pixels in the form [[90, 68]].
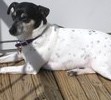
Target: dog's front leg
[[22, 69], [11, 57]]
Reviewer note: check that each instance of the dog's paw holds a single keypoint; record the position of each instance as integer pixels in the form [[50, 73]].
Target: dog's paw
[[71, 73], [75, 71], [78, 71]]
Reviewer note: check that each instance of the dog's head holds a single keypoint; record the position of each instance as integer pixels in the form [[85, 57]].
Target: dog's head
[[26, 17]]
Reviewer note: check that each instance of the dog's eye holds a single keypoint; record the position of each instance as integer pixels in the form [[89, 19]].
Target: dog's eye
[[23, 16], [13, 17]]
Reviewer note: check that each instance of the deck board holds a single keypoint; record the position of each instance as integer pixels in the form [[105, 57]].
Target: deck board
[[5, 87], [106, 83], [93, 87], [17, 86], [100, 89], [57, 85], [46, 87], [69, 87]]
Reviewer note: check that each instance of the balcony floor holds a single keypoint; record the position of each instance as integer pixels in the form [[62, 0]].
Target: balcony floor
[[47, 85]]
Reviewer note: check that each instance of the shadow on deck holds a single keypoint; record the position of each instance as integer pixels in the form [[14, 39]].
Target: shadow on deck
[[57, 85]]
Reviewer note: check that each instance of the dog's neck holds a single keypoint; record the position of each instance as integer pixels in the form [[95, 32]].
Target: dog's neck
[[36, 32]]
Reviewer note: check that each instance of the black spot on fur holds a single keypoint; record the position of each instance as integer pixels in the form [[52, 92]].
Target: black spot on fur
[[94, 57], [106, 37], [91, 42], [90, 33], [73, 30], [69, 54], [74, 55], [105, 46], [87, 46], [99, 51], [98, 41], [48, 49], [82, 56], [57, 55]]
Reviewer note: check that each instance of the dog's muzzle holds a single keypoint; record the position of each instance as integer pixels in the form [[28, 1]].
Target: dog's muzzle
[[16, 28]]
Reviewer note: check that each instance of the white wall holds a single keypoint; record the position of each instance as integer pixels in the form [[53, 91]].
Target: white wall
[[93, 14]]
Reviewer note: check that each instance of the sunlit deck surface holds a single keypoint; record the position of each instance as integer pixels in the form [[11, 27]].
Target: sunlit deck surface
[[47, 85]]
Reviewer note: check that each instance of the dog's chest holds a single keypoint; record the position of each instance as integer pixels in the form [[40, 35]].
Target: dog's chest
[[39, 51]]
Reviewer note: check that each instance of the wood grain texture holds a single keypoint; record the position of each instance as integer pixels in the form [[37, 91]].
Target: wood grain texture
[[93, 87], [17, 86], [5, 86], [100, 89], [69, 87], [89, 89], [106, 83], [57, 85], [46, 87]]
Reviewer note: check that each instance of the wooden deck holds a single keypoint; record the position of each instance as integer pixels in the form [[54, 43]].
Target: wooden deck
[[57, 85]]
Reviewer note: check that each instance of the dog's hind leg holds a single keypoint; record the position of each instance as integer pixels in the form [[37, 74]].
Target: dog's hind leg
[[11, 57], [103, 68]]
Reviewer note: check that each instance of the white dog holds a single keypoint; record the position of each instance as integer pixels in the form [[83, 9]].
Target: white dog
[[79, 51]]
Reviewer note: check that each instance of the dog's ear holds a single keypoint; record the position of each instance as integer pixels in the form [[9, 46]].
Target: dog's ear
[[43, 10], [12, 5]]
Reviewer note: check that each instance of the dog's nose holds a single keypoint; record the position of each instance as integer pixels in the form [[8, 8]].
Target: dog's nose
[[12, 30]]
